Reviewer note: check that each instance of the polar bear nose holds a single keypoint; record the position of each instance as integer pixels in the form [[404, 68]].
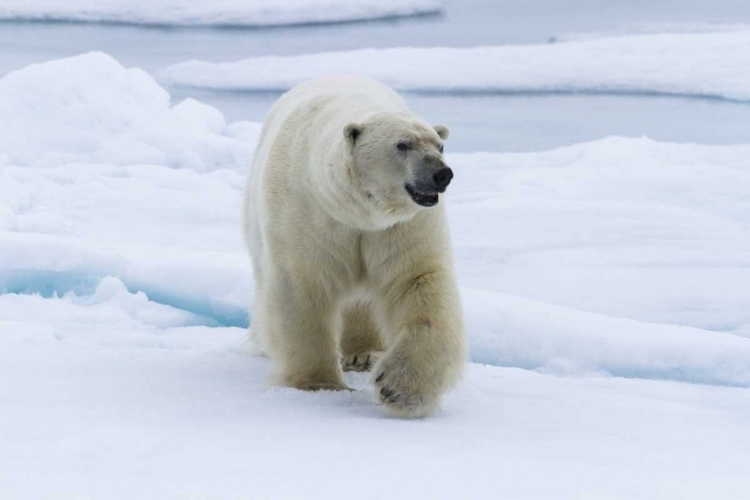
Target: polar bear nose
[[442, 178]]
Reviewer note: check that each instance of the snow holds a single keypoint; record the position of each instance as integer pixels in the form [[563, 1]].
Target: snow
[[106, 403], [625, 227], [653, 28], [236, 13], [608, 328], [98, 112], [702, 64]]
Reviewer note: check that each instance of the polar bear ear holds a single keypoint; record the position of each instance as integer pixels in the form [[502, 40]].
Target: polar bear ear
[[352, 131], [442, 131]]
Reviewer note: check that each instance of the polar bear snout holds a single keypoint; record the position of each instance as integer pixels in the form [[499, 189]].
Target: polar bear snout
[[430, 182], [442, 178], [432, 174]]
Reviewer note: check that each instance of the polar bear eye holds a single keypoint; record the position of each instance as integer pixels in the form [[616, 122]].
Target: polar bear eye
[[403, 146], [441, 149]]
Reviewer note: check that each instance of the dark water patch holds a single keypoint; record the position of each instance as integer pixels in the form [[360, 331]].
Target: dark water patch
[[500, 122]]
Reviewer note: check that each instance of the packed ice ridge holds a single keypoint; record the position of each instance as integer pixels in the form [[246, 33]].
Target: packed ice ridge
[[709, 64]]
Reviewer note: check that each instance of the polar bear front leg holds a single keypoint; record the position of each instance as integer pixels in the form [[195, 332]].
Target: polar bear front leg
[[427, 352], [302, 340]]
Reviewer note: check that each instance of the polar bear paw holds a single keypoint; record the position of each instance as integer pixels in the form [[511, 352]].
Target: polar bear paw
[[360, 362], [323, 386], [402, 392]]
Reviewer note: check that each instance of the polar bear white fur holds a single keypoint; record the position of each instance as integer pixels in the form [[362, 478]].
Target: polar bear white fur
[[352, 258]]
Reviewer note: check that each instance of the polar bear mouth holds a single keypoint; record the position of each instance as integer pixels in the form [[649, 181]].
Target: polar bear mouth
[[422, 198]]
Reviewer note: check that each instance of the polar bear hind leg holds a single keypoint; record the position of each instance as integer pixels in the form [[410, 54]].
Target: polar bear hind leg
[[299, 316], [361, 343]]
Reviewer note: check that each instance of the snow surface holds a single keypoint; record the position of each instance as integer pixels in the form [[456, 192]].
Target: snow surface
[[239, 13], [701, 64], [97, 112], [112, 396], [124, 286]]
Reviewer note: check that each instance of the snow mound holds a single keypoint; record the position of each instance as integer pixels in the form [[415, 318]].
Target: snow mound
[[174, 234], [249, 13], [99, 112], [624, 227], [700, 64], [507, 330]]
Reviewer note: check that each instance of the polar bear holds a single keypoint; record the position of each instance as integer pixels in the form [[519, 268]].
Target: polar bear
[[350, 246]]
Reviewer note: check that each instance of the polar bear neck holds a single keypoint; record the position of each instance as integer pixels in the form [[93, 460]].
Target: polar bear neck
[[308, 124], [343, 199]]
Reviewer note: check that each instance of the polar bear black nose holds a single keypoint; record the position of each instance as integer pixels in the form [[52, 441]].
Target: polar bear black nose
[[442, 178]]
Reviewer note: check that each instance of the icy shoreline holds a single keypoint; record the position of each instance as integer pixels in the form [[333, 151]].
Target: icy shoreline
[[222, 13]]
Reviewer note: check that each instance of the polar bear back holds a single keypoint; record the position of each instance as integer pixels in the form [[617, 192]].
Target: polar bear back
[[347, 96]]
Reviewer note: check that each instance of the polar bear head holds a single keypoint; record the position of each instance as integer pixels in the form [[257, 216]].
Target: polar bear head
[[397, 161]]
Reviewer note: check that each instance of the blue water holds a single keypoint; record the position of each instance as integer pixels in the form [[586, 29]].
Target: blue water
[[494, 122]]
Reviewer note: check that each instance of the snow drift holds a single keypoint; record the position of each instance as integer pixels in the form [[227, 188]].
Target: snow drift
[[99, 112], [702, 64], [249, 13]]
